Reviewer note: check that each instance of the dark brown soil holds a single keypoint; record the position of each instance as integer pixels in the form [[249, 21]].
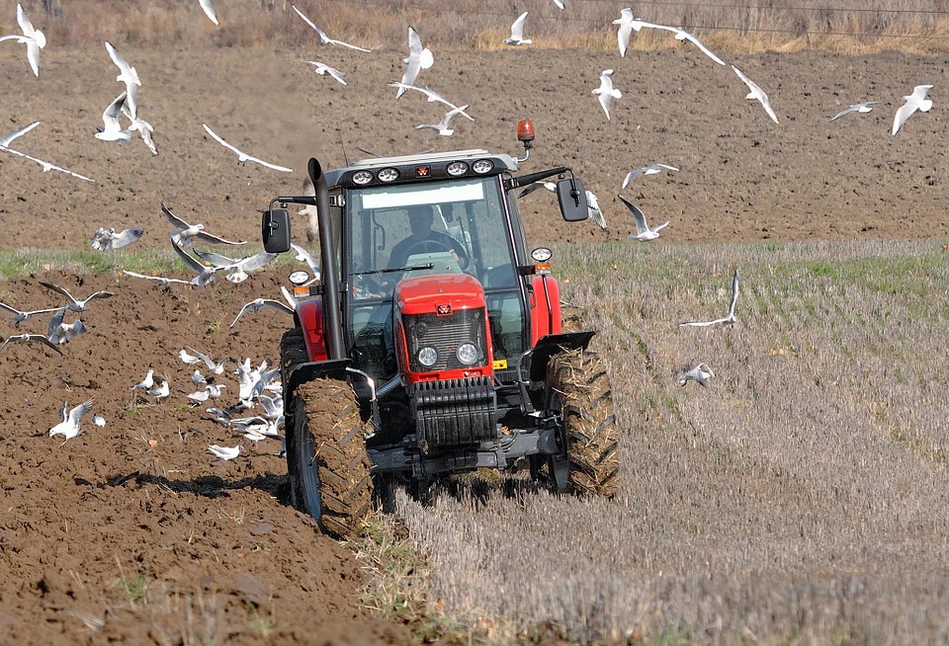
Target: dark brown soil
[[133, 532]]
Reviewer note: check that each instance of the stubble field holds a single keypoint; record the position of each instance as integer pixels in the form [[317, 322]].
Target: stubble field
[[798, 497]]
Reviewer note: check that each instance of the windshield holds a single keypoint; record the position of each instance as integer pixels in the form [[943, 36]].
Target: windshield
[[432, 227]]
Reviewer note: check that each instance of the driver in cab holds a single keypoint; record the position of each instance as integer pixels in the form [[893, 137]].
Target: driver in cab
[[424, 239]]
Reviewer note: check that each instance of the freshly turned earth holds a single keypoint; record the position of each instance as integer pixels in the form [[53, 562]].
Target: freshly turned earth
[[133, 532]]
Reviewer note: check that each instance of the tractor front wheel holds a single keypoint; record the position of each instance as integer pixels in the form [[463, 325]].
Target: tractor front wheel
[[326, 457], [578, 390]]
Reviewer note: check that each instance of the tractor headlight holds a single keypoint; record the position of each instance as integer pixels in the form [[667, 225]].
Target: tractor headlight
[[467, 353], [427, 356]]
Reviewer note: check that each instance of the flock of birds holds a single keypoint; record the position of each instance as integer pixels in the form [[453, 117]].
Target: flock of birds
[[205, 264]]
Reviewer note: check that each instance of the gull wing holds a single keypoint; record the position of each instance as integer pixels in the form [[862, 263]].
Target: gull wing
[[731, 306], [844, 112], [262, 303], [625, 22], [214, 136], [59, 290], [110, 116], [190, 260], [517, 28], [215, 259], [638, 215], [33, 56], [256, 261], [324, 39], [127, 236], [205, 358], [446, 120], [79, 411], [25, 25], [350, 46], [631, 174], [268, 164], [54, 323], [8, 138], [593, 210], [175, 221], [209, 10], [213, 239], [684, 35]]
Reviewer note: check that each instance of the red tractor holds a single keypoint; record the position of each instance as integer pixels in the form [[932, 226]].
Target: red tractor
[[435, 343]]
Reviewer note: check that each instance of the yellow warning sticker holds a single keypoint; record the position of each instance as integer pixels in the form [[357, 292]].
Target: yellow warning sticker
[[500, 364]]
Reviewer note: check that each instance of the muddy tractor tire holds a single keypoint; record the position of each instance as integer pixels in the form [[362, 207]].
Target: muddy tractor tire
[[579, 389], [571, 318], [326, 457]]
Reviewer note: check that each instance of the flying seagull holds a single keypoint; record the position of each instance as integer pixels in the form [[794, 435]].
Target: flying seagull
[[303, 255], [605, 93], [322, 69], [653, 169], [442, 126], [643, 232], [30, 338], [20, 317], [108, 239], [34, 39], [68, 425], [699, 374], [262, 303], [418, 59], [184, 232], [863, 106], [127, 75], [8, 138], [77, 305], [111, 128], [915, 101], [59, 332], [324, 39], [625, 22], [517, 32], [242, 156], [209, 10], [432, 97], [728, 318], [756, 93]]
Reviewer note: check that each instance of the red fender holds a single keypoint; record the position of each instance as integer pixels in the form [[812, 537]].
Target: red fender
[[545, 308], [310, 314]]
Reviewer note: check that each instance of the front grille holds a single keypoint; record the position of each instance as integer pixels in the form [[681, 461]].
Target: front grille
[[445, 334], [454, 412]]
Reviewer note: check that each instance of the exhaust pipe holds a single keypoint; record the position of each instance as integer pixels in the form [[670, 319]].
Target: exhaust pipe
[[334, 327]]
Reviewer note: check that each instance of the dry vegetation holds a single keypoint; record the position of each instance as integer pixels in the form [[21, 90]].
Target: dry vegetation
[[798, 499], [733, 26]]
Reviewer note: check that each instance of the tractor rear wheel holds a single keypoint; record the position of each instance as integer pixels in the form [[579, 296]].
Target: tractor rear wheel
[[578, 388], [326, 457]]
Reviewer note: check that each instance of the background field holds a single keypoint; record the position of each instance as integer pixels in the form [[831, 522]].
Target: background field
[[796, 499]]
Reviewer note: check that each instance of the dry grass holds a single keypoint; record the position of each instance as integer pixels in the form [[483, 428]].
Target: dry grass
[[800, 498], [733, 26]]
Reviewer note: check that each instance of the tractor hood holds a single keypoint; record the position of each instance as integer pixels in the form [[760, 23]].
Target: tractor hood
[[440, 294]]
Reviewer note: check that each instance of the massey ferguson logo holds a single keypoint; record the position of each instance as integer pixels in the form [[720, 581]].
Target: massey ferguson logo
[[443, 310]]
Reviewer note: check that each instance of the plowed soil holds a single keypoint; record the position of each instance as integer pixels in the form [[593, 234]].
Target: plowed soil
[[134, 532]]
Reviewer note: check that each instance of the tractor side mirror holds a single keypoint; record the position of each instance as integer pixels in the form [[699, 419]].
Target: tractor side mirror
[[573, 199], [275, 230]]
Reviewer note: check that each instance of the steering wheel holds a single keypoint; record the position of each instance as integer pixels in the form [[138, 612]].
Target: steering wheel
[[422, 246]]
